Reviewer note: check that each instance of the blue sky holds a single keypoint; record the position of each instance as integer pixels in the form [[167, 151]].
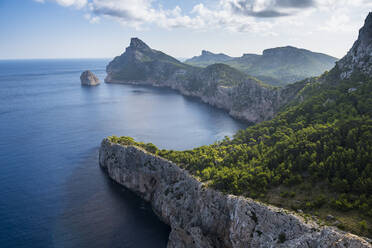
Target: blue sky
[[102, 28]]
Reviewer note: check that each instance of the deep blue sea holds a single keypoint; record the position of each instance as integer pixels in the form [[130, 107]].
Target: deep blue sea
[[52, 191]]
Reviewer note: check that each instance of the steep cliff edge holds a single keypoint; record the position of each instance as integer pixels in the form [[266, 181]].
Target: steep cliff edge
[[219, 85], [359, 58], [202, 217]]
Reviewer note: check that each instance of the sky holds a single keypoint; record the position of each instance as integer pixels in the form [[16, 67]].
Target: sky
[[103, 28]]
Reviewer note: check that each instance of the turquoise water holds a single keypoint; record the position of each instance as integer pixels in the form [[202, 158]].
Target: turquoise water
[[52, 192]]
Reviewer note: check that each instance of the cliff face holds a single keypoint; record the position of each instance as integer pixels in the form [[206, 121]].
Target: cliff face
[[202, 217], [219, 85], [359, 58]]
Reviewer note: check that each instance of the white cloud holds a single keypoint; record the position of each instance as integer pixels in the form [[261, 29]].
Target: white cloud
[[338, 23], [67, 3], [76, 3], [92, 19], [262, 16]]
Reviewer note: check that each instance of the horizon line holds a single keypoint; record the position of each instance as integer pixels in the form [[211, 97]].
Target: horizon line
[[4, 59]]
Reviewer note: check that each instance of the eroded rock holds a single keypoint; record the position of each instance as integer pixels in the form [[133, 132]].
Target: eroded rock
[[88, 78]]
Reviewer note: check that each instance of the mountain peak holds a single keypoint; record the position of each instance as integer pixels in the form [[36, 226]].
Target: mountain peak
[[365, 33], [136, 43], [205, 52], [359, 58], [281, 50]]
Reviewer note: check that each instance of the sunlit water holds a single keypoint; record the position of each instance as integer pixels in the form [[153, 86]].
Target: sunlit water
[[52, 192]]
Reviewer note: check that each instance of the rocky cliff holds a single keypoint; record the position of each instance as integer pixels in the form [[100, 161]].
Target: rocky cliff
[[359, 58], [219, 85], [201, 217]]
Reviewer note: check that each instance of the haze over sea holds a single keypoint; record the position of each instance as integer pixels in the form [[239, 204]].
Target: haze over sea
[[53, 193]]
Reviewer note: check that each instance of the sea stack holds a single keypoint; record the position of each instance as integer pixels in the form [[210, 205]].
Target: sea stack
[[88, 78]]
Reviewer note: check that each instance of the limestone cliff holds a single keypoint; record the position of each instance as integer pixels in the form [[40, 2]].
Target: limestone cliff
[[201, 217], [219, 85], [359, 58]]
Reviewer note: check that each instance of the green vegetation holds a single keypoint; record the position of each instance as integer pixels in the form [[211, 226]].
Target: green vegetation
[[315, 155], [129, 141]]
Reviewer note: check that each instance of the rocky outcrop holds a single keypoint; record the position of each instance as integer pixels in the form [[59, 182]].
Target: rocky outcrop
[[88, 78], [202, 217], [219, 85], [359, 58]]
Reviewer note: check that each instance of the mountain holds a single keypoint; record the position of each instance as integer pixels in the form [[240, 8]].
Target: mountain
[[139, 63], [276, 66], [220, 85], [312, 155], [207, 58]]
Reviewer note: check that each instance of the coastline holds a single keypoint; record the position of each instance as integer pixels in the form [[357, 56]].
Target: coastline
[[239, 116]]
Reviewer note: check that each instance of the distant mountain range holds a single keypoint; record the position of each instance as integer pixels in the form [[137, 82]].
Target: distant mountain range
[[276, 66]]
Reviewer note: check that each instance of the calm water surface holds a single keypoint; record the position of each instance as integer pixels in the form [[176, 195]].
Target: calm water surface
[[52, 192]]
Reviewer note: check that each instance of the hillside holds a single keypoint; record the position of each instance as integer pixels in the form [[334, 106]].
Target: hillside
[[276, 66], [314, 156]]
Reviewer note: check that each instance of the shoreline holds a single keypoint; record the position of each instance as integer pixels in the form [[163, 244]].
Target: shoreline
[[190, 96]]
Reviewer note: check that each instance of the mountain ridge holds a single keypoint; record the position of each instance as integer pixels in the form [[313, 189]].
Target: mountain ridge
[[207, 58], [275, 66]]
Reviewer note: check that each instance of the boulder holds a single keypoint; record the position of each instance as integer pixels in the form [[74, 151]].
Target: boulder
[[88, 78]]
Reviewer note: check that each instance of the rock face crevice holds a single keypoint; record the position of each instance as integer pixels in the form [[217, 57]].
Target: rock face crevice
[[202, 217]]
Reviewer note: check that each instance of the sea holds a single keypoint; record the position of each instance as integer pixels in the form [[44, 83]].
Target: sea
[[52, 190]]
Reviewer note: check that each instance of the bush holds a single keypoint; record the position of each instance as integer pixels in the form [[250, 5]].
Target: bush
[[363, 225]]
